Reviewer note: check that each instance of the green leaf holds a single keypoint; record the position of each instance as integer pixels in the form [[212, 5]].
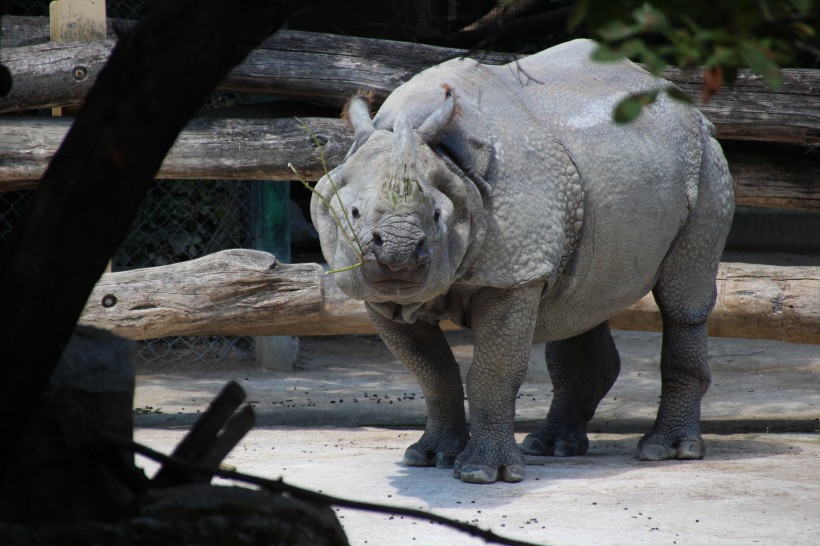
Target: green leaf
[[627, 110], [578, 15], [802, 28], [678, 94], [761, 64], [605, 53], [654, 62], [617, 30], [630, 108], [803, 7], [722, 56], [650, 18]]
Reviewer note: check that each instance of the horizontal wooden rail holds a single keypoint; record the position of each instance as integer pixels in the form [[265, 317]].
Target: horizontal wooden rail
[[785, 176], [327, 69], [246, 292], [208, 148]]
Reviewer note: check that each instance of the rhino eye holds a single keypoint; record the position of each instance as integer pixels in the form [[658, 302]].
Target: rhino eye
[[436, 215], [354, 212]]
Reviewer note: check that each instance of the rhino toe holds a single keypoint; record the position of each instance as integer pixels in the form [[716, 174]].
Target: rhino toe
[[567, 444], [655, 448], [532, 445], [445, 460], [475, 473], [414, 456], [435, 450]]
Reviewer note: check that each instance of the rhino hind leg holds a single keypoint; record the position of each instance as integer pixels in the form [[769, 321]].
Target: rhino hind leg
[[685, 294], [582, 370]]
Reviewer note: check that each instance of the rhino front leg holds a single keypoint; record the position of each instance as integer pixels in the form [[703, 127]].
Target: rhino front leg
[[425, 351], [582, 370], [503, 322]]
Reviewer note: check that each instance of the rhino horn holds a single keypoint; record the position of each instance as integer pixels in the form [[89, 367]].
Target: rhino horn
[[358, 112], [403, 182], [433, 127]]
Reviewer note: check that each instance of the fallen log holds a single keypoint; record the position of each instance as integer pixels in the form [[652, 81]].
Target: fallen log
[[246, 292], [327, 69], [784, 176], [754, 301]]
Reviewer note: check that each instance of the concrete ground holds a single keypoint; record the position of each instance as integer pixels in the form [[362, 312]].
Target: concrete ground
[[340, 421]]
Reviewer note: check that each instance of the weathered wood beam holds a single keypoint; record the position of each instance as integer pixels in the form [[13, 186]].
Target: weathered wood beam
[[784, 176], [749, 110], [768, 174], [246, 292], [327, 69], [208, 148], [754, 301]]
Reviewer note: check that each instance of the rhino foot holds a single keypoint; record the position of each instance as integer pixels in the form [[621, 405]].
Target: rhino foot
[[487, 465], [414, 456], [655, 447], [564, 444], [435, 451]]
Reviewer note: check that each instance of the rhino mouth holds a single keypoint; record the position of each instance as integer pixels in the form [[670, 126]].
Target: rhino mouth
[[385, 279]]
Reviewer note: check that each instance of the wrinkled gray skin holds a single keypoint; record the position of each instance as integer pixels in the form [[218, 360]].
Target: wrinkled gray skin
[[505, 199]]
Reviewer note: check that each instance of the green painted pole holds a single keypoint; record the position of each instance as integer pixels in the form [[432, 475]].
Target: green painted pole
[[270, 204], [270, 209]]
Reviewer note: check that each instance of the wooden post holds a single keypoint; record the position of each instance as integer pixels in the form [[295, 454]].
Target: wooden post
[[76, 21]]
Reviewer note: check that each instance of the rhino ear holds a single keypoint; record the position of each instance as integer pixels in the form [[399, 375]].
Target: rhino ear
[[470, 220], [433, 128], [357, 111]]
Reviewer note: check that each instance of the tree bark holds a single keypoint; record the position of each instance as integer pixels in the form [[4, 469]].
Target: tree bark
[[156, 78], [246, 292]]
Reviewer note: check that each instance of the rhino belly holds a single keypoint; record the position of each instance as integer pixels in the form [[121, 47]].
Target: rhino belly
[[616, 263]]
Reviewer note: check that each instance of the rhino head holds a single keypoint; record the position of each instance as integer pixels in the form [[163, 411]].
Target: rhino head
[[399, 207]]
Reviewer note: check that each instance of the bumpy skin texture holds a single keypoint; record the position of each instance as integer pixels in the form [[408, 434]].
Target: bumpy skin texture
[[505, 199]]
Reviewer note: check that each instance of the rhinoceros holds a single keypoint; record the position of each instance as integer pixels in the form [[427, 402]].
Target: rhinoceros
[[506, 200]]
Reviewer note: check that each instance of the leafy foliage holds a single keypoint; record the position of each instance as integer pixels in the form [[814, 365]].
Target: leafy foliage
[[763, 35]]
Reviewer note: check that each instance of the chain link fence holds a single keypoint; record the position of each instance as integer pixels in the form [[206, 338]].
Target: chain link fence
[[180, 220]]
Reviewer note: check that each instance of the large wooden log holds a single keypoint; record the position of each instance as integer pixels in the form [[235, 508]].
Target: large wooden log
[[754, 301], [327, 69], [208, 148], [776, 175], [246, 292], [785, 176], [749, 110], [233, 292]]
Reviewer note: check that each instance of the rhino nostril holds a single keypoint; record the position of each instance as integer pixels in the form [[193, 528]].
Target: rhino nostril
[[377, 238], [420, 247]]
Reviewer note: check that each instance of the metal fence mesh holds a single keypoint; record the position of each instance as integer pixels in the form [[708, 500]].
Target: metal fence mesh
[[179, 220]]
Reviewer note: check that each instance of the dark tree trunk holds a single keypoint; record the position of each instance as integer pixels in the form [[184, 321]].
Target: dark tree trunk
[[156, 78]]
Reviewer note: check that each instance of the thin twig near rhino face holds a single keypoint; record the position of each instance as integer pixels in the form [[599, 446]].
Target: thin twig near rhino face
[[355, 244]]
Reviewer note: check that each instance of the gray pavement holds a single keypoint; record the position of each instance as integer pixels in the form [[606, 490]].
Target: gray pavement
[[340, 421]]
